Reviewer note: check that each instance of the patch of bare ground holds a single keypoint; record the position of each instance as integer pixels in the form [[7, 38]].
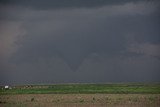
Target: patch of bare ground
[[80, 100]]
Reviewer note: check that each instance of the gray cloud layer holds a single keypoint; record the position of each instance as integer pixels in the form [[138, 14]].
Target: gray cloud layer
[[61, 4], [79, 41]]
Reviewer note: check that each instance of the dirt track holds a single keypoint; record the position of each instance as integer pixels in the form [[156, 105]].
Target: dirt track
[[80, 100]]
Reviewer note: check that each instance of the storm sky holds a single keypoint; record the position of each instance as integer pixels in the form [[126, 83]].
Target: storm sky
[[79, 41]]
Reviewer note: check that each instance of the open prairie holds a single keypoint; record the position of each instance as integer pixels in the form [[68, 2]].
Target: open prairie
[[130, 88], [81, 95]]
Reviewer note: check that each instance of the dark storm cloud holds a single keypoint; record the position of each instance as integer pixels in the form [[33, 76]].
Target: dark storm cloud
[[57, 4], [73, 44], [82, 36], [79, 41]]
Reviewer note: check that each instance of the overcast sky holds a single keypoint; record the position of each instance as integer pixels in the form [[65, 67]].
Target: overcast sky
[[79, 41]]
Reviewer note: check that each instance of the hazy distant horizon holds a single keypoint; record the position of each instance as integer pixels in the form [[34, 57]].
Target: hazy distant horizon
[[80, 83], [79, 41]]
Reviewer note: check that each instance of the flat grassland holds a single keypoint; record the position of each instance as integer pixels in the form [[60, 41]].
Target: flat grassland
[[82, 95]]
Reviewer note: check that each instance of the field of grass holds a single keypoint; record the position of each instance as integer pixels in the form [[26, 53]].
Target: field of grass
[[81, 95], [84, 89]]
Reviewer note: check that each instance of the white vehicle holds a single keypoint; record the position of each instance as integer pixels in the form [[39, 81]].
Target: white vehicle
[[6, 87]]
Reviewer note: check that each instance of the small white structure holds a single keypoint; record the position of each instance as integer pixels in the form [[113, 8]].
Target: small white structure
[[6, 87]]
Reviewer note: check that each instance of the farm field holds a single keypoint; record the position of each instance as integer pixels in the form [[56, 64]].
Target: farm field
[[82, 95]]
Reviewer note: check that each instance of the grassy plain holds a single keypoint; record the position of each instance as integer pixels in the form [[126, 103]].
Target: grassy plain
[[85, 89], [82, 95]]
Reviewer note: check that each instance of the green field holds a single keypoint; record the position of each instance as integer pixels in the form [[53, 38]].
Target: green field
[[84, 89], [81, 95]]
